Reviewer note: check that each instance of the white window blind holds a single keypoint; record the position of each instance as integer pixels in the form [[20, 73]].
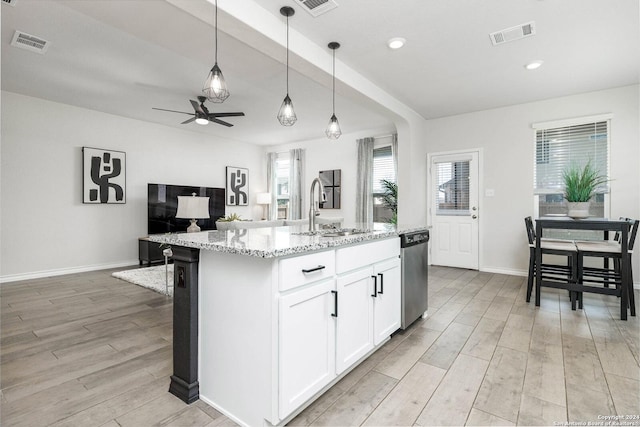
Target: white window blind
[[559, 146], [452, 188], [563, 147], [382, 167]]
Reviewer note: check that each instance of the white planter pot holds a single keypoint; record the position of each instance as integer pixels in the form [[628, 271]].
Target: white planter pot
[[578, 210]]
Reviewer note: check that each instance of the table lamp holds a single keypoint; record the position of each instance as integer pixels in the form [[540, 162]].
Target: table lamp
[[193, 208], [265, 200]]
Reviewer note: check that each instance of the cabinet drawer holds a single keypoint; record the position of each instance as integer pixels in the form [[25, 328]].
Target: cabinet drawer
[[357, 256], [300, 270]]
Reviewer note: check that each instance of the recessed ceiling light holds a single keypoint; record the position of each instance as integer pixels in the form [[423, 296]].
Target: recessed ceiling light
[[533, 65], [396, 42]]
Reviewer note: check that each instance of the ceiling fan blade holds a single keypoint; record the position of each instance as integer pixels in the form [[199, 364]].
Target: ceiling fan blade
[[188, 121], [197, 107], [220, 122], [172, 111], [225, 114]]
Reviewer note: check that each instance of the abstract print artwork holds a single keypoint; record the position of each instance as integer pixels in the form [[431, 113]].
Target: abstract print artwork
[[103, 175], [237, 186]]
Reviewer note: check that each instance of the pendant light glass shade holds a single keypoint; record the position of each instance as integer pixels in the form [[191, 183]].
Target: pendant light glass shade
[[286, 114], [215, 87], [333, 128]]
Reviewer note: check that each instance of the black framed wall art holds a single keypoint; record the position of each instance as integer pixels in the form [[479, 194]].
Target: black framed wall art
[[237, 186], [331, 181], [103, 176]]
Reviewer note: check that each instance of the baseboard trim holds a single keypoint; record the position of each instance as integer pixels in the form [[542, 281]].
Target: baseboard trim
[[524, 273], [506, 271], [63, 271]]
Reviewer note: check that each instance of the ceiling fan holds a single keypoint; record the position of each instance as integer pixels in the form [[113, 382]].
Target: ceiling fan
[[201, 114]]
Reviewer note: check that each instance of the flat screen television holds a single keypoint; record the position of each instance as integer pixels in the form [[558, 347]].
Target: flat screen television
[[162, 205]]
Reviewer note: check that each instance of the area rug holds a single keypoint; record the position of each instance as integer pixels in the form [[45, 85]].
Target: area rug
[[153, 278]]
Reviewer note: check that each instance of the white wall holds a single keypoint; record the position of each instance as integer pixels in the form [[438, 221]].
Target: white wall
[[324, 154], [46, 229], [507, 140]]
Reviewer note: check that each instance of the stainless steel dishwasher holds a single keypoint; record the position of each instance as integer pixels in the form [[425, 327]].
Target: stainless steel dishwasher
[[414, 255]]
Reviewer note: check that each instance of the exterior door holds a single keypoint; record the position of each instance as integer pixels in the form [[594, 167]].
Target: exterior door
[[454, 210]]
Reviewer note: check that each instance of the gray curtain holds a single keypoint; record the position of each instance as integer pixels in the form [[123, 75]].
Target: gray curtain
[[394, 154], [272, 185], [296, 171], [364, 185]]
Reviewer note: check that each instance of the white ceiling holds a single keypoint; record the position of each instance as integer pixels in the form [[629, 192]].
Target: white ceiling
[[125, 56]]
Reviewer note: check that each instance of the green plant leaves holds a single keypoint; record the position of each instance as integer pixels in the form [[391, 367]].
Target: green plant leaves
[[580, 184]]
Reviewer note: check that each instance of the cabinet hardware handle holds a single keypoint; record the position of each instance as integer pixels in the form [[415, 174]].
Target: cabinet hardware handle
[[375, 286], [335, 302], [311, 270], [381, 283]]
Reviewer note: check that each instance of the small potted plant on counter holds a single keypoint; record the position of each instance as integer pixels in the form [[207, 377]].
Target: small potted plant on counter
[[580, 185], [223, 223]]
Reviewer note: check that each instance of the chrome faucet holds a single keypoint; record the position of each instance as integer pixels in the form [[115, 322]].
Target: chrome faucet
[[314, 205]]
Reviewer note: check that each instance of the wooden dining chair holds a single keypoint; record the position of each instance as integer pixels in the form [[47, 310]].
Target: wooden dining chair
[[609, 249], [553, 272]]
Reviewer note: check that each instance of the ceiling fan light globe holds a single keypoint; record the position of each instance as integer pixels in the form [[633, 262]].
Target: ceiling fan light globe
[[215, 86], [333, 128], [202, 121], [286, 114]]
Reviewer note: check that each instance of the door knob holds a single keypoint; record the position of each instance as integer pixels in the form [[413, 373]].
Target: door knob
[[474, 208], [474, 216]]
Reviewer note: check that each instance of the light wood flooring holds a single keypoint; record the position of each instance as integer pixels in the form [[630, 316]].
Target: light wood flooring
[[91, 350]]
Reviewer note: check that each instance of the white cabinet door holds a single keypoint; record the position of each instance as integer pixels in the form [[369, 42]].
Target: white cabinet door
[[354, 326], [306, 344], [386, 304]]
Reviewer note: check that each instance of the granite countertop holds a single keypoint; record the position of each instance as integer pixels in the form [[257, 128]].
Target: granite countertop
[[271, 242]]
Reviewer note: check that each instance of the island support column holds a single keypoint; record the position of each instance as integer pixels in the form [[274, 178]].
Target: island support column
[[184, 381]]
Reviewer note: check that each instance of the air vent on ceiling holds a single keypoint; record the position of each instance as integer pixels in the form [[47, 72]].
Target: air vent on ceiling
[[317, 7], [9, 2], [514, 33], [29, 42]]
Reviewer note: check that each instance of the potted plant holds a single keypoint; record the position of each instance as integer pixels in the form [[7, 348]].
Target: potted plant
[[390, 198], [580, 184], [225, 223]]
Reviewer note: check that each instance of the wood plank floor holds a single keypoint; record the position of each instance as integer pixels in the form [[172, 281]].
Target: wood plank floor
[[91, 350]]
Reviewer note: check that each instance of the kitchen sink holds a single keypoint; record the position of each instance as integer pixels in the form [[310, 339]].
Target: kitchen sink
[[341, 232]]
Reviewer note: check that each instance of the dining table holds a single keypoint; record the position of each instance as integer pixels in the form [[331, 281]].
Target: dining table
[[575, 284]]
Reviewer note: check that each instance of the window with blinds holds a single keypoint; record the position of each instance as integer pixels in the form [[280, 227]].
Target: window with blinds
[[561, 147], [382, 169], [282, 189], [452, 188]]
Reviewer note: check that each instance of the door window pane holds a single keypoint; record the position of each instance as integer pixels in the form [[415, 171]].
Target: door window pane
[[452, 188]]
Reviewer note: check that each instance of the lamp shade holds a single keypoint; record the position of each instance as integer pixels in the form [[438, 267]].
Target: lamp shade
[[263, 198], [192, 207]]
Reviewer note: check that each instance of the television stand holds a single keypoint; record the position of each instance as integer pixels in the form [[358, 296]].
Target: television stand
[[149, 252]]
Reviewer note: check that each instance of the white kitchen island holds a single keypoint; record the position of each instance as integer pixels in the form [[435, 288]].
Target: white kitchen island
[[280, 316]]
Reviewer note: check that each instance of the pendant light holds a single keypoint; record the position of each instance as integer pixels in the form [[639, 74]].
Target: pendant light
[[215, 87], [333, 128], [286, 114]]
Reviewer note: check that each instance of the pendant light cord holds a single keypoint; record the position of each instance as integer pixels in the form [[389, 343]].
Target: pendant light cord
[[334, 82], [216, 33], [287, 54]]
